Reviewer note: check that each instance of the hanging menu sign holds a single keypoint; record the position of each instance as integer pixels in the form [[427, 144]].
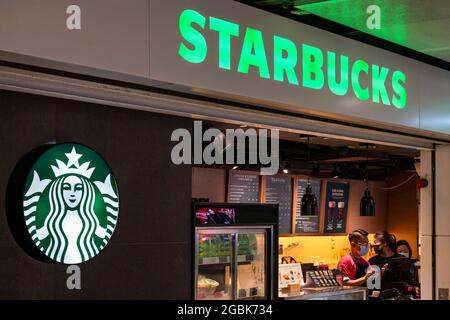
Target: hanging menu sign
[[243, 188], [306, 223], [279, 190], [336, 207]]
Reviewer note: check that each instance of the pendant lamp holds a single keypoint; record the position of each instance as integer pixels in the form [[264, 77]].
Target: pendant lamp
[[309, 201], [367, 206]]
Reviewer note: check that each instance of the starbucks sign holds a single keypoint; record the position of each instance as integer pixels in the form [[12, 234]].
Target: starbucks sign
[[70, 203]]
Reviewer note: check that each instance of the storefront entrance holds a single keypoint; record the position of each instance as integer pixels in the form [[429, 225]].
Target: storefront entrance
[[319, 239]]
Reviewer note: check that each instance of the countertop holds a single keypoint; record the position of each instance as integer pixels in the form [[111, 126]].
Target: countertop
[[331, 293]]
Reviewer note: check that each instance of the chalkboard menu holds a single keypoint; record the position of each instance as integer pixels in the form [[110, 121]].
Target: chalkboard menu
[[243, 188], [279, 190], [303, 223]]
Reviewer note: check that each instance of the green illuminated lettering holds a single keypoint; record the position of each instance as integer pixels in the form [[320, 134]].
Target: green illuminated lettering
[[253, 42], [312, 66], [194, 49], [338, 89], [400, 101], [378, 84], [226, 30], [198, 53], [358, 66], [287, 63]]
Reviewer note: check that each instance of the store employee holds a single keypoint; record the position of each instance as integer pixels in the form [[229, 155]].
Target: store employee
[[354, 265], [385, 246]]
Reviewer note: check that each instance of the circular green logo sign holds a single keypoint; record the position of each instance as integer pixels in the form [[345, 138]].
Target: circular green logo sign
[[70, 203]]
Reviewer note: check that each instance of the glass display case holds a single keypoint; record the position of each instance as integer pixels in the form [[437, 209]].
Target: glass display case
[[234, 256], [231, 263]]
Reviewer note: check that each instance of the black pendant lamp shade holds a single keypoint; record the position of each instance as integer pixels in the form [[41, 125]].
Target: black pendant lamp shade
[[367, 204], [367, 207], [309, 203]]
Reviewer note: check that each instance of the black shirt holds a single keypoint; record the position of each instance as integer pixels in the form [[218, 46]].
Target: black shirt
[[381, 261], [361, 267]]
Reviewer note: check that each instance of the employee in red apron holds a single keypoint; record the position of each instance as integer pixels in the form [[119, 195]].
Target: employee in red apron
[[354, 266]]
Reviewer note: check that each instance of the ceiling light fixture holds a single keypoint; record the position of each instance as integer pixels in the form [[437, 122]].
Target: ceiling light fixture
[[335, 172], [367, 207], [285, 167], [309, 200]]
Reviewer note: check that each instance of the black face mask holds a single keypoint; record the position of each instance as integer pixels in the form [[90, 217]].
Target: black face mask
[[377, 249]]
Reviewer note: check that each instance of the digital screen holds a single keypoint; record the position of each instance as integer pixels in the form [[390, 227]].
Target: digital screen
[[214, 215]]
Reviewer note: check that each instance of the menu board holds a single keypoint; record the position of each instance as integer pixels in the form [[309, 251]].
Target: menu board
[[243, 188], [336, 207], [307, 224], [321, 279], [279, 190]]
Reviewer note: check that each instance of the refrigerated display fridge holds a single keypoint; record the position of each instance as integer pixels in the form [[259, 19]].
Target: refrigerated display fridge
[[235, 251]]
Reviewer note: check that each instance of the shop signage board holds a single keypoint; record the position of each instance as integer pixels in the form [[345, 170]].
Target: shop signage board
[[70, 203], [243, 188], [307, 224], [287, 61], [241, 51], [234, 51], [336, 206], [279, 190]]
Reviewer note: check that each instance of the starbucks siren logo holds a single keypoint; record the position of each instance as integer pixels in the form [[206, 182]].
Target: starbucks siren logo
[[70, 208]]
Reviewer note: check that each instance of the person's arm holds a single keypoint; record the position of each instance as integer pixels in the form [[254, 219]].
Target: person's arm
[[360, 281]]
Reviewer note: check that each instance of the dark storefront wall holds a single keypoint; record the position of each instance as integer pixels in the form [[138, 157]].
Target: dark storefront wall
[[149, 255]]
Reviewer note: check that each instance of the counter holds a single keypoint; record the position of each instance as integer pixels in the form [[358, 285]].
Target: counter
[[334, 293]]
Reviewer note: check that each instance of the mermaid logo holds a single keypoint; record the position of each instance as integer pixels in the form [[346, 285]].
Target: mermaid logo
[[70, 208]]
